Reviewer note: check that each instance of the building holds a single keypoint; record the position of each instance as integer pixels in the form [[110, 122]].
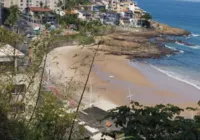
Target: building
[[84, 15], [93, 120], [7, 61], [22, 4], [39, 15], [98, 6], [111, 18]]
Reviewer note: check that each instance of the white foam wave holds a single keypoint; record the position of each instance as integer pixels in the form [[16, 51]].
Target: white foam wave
[[194, 47], [186, 80], [188, 37], [181, 51], [170, 47], [195, 35], [179, 43]]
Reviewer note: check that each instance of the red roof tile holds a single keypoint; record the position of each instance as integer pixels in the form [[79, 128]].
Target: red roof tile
[[39, 9]]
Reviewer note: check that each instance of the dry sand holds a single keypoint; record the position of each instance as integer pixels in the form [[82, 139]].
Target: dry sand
[[111, 82]]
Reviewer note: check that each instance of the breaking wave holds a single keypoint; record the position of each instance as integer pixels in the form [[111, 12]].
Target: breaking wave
[[182, 44], [195, 35], [172, 48], [194, 47], [178, 77]]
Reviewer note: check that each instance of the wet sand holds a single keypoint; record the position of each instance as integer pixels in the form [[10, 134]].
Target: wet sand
[[148, 85]]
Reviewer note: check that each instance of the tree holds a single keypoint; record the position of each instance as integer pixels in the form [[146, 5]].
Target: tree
[[14, 14], [60, 4], [147, 16], [47, 26], [41, 4], [70, 4], [161, 122], [45, 116]]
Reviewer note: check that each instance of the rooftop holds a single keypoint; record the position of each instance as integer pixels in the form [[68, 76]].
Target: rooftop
[[93, 117], [39, 9], [7, 50]]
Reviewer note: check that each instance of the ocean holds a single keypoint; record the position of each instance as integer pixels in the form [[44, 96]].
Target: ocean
[[185, 14]]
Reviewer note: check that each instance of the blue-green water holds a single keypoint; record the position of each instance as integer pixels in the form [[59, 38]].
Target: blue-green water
[[185, 14]]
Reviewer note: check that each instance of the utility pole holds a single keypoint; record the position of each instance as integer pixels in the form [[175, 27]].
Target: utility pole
[[90, 82]]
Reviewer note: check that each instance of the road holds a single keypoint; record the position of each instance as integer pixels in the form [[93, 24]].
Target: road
[[27, 27]]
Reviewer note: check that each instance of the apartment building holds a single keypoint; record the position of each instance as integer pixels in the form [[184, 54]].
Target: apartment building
[[52, 4]]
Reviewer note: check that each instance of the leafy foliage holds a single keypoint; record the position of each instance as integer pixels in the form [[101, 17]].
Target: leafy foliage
[[161, 122], [14, 14], [41, 4], [50, 119], [147, 16], [68, 19], [70, 4], [7, 37]]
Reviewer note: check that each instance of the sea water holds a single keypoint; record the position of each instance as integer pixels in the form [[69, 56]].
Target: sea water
[[185, 14]]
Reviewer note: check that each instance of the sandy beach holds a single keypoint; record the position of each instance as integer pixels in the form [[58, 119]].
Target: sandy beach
[[115, 80]]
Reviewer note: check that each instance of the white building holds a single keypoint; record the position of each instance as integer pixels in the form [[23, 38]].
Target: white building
[[22, 4]]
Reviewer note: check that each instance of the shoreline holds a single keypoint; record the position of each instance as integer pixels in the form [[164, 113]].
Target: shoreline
[[160, 91], [115, 78]]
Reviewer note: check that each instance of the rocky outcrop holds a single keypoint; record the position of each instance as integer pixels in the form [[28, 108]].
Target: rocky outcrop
[[164, 29], [145, 43]]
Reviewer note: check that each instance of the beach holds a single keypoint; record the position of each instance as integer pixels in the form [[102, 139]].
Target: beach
[[115, 80]]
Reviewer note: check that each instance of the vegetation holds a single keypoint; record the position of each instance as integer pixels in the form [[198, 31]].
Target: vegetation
[[69, 19], [161, 122], [147, 16], [33, 114], [41, 4], [37, 114], [47, 26], [70, 4], [13, 16]]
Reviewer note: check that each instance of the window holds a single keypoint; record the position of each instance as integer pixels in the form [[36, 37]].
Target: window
[[21, 0]]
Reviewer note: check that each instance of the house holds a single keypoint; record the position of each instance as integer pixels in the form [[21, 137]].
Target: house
[[93, 121], [111, 18], [59, 11], [84, 15], [9, 57], [138, 12], [39, 14], [98, 6], [128, 14]]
